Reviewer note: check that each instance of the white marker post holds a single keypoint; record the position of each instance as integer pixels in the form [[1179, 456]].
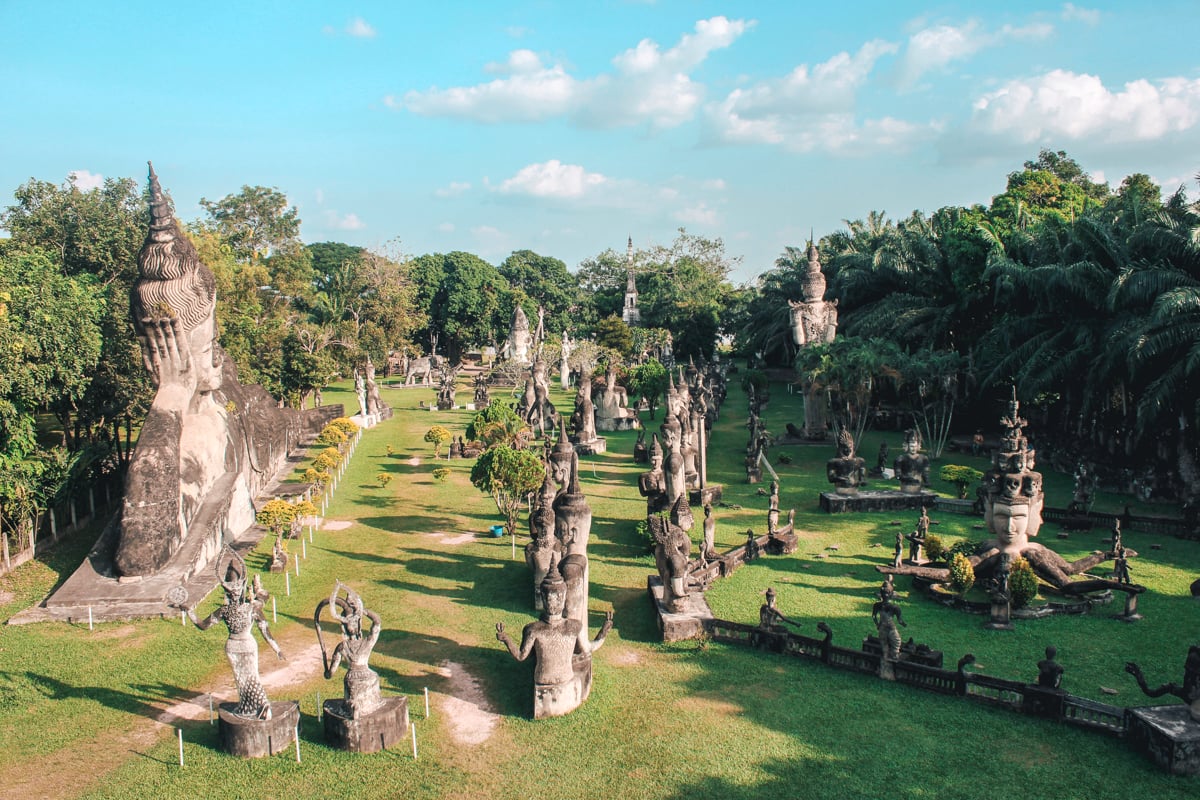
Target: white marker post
[[297, 568], [426, 702], [297, 744], [287, 583], [210, 710], [89, 618], [183, 617], [274, 610], [180, 731], [304, 548], [414, 734], [319, 706], [514, 546]]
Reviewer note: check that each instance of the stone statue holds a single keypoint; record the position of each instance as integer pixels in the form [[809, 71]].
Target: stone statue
[[279, 559], [483, 397], [912, 466], [583, 421], [1188, 691], [674, 466], [916, 539], [886, 615], [708, 549], [1012, 497], [898, 554], [1085, 485], [814, 321], [769, 616], [209, 445], [360, 391], [361, 695], [519, 338], [773, 510], [564, 368], [544, 549], [560, 684], [1050, 672], [446, 388], [641, 454], [375, 405], [671, 552], [652, 485], [241, 612], [845, 471], [612, 412]]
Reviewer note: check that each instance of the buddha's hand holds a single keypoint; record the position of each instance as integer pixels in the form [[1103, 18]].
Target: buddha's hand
[[165, 349]]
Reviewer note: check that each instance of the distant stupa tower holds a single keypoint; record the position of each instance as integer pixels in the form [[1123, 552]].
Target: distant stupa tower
[[630, 313]]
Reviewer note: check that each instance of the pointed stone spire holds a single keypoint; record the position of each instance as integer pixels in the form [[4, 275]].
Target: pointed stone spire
[[630, 314]]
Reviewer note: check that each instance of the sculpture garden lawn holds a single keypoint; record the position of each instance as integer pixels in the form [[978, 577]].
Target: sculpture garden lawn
[[686, 720]]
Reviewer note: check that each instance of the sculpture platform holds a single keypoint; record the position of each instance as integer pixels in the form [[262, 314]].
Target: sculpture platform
[[876, 500], [559, 699], [594, 447], [678, 626], [709, 495], [254, 738], [379, 730], [1168, 735], [617, 424]]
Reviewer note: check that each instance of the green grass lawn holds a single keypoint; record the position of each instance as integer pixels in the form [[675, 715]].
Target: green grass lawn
[[674, 721]]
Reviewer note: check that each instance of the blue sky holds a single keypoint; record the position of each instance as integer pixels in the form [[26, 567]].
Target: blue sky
[[563, 127]]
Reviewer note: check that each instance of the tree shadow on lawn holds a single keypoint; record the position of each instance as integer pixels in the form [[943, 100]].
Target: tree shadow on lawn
[[426, 523], [141, 702], [633, 613]]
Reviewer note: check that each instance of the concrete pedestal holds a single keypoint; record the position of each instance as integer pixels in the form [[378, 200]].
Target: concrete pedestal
[[875, 500], [594, 447], [379, 730], [1168, 735], [254, 738], [556, 700], [709, 495], [676, 626]]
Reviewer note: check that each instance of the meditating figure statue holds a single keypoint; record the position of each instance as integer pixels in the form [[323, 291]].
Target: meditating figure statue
[[1050, 672], [583, 421], [561, 680], [912, 466], [612, 412], [652, 485], [241, 612], [845, 471], [770, 617], [361, 688], [544, 549]]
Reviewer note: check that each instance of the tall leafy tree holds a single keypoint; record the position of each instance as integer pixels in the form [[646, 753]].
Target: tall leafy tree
[[256, 221]]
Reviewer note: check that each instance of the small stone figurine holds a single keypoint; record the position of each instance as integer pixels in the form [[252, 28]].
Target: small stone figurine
[[362, 683]]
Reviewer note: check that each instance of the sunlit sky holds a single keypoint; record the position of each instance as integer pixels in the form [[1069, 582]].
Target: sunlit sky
[[564, 127]]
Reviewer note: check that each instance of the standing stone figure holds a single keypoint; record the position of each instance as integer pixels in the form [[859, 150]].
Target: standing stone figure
[[374, 403], [652, 485], [558, 686], [360, 391], [887, 615], [773, 509], [583, 421], [241, 612], [361, 695], [708, 548], [1050, 672], [483, 397], [544, 550]]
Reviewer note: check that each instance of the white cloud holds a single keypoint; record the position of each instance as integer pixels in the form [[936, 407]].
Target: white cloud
[[699, 214], [715, 184], [446, 227], [343, 222], [647, 85], [358, 27], [85, 181], [1074, 13], [813, 109], [453, 190], [553, 179], [1066, 105], [937, 46]]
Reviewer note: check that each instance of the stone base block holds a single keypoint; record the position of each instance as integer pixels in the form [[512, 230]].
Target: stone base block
[[709, 495], [782, 543], [254, 738], [1168, 735], [556, 700], [594, 447], [678, 625], [876, 500], [379, 730]]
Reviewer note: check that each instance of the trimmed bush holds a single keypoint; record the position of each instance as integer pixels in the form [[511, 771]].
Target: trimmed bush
[[345, 425], [276, 515], [1022, 583], [327, 459], [384, 479], [934, 549], [962, 574], [331, 436], [962, 477], [441, 473]]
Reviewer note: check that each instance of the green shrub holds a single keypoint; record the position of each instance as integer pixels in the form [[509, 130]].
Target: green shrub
[[276, 515], [327, 459], [345, 425], [441, 473], [331, 435], [644, 535], [1022, 583], [934, 549], [962, 477], [962, 574], [964, 546], [383, 479], [319, 478], [438, 436]]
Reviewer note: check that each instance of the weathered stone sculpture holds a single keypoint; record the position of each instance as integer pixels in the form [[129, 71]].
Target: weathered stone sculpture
[[612, 412], [672, 551], [1050, 672], [708, 548], [912, 466], [773, 509], [1013, 498], [583, 421], [652, 484], [544, 549], [279, 558], [447, 388], [641, 453], [360, 391], [814, 321], [375, 406], [516, 348], [208, 445], [1188, 691], [562, 675], [363, 721], [846, 470], [674, 465], [254, 726], [562, 457], [887, 615], [535, 406], [483, 397]]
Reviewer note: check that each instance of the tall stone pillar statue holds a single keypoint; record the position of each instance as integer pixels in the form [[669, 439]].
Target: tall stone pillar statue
[[814, 321]]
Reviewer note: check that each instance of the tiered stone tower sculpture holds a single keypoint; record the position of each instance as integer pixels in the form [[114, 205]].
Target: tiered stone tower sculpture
[[630, 313], [814, 320]]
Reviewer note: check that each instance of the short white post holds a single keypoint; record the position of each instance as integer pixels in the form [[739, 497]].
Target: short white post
[[274, 610], [319, 707], [180, 731], [297, 743], [287, 583], [297, 568], [183, 617], [89, 618], [426, 702], [514, 547], [414, 734], [304, 548], [210, 709]]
